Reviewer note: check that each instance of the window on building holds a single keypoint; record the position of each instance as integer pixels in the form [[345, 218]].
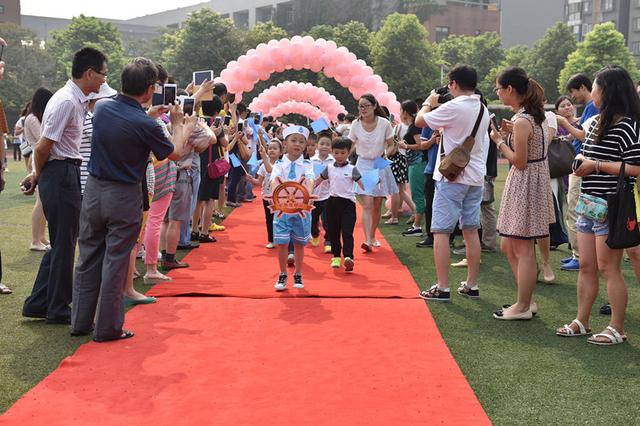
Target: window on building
[[586, 6], [1, 9], [635, 47], [636, 24], [606, 5], [637, 3], [441, 33]]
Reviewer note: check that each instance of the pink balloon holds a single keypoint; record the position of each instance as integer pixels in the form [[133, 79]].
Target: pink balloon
[[356, 81], [351, 57], [342, 69], [382, 88]]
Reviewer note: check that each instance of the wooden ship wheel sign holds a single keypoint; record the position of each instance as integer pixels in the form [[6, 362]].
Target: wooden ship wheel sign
[[291, 197]]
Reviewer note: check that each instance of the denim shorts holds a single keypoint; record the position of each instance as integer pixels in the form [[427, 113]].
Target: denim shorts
[[290, 227], [455, 202], [588, 226]]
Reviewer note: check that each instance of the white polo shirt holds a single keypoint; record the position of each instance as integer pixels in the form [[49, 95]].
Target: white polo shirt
[[456, 118], [322, 190], [342, 180], [282, 167]]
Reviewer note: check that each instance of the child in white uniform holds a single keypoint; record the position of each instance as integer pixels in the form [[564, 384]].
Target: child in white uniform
[[322, 159]]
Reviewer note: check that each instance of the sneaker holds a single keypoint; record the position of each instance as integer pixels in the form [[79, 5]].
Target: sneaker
[[204, 239], [413, 232], [348, 264], [195, 236], [141, 253], [411, 219], [461, 251], [189, 246], [377, 243], [327, 248], [297, 281], [215, 227], [566, 260], [270, 246], [605, 309], [427, 242], [487, 249], [391, 221], [291, 260], [335, 262], [573, 265], [437, 294], [281, 284], [467, 291], [315, 241]]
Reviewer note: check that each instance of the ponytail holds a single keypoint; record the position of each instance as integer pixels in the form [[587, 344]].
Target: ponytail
[[533, 101]]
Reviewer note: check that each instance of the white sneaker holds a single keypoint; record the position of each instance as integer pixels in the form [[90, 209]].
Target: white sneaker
[[377, 243], [297, 281], [281, 284], [270, 246], [140, 254]]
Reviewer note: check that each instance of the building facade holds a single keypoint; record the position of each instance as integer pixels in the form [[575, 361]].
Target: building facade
[[524, 21], [10, 11], [463, 17], [582, 15]]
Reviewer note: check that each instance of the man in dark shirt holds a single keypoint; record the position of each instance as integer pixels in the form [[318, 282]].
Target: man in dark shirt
[[124, 135]]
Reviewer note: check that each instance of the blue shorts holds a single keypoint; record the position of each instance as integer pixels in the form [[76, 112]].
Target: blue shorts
[[588, 226], [455, 202], [291, 228]]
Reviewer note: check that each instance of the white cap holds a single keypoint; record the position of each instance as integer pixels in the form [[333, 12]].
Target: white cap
[[300, 130], [106, 91]]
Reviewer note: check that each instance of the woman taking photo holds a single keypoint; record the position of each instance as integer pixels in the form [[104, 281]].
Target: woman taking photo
[[527, 204], [612, 138], [372, 135], [32, 125]]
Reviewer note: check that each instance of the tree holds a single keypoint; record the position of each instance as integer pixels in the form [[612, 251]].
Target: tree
[[263, 32], [86, 31], [455, 49], [205, 41], [403, 56], [486, 52], [515, 56], [549, 56], [28, 67], [321, 31], [602, 46], [356, 37]]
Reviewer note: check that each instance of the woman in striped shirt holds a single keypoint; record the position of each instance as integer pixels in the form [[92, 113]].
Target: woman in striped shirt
[[612, 138]]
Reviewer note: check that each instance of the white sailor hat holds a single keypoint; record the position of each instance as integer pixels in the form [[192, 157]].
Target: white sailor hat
[[291, 130]]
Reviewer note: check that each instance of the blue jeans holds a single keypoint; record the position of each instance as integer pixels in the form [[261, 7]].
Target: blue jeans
[[235, 176], [455, 202], [589, 226], [185, 227]]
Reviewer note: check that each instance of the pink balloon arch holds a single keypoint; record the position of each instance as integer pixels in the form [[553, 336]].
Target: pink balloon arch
[[296, 107], [306, 53], [301, 92]]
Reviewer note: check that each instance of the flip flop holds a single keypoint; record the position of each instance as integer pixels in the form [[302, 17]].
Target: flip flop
[[146, 301], [5, 290], [126, 334]]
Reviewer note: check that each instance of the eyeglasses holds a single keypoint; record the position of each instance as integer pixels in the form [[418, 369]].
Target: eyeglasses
[[364, 106], [497, 89], [105, 75]]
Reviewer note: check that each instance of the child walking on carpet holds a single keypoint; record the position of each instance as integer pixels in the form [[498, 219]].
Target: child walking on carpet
[[292, 227], [274, 153], [341, 205], [321, 159]]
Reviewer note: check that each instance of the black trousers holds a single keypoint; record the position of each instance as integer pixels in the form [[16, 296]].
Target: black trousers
[[319, 212], [429, 192], [268, 217], [59, 188], [341, 213], [17, 154]]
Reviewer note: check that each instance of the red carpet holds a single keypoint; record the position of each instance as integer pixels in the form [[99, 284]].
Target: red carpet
[[239, 265], [231, 361]]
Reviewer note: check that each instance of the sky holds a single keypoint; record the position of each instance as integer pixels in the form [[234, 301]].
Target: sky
[[113, 9]]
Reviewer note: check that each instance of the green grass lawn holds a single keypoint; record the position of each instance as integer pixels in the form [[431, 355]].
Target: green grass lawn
[[521, 372]]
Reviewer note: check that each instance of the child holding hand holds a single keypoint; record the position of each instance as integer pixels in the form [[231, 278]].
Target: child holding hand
[[341, 205]]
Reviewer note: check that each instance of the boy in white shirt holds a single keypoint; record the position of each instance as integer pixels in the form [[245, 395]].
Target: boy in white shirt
[[322, 158], [341, 206], [292, 227]]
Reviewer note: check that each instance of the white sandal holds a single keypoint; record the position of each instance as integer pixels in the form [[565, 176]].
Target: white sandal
[[567, 331], [615, 338]]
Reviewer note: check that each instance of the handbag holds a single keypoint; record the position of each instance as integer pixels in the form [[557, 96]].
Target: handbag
[[591, 207], [25, 148], [218, 168], [623, 222], [560, 156], [452, 164]]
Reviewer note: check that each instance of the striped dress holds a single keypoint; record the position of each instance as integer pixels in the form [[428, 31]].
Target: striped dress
[[85, 148]]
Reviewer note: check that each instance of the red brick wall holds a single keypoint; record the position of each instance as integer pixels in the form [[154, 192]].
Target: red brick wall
[[464, 21]]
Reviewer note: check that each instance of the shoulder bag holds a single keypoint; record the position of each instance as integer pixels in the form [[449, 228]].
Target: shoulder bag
[[452, 164], [218, 168], [560, 156], [623, 223]]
